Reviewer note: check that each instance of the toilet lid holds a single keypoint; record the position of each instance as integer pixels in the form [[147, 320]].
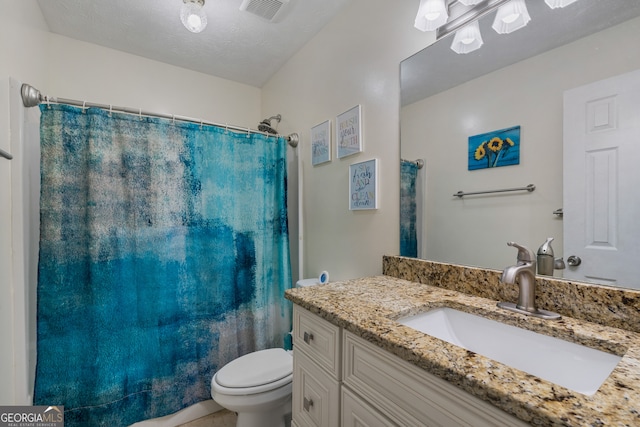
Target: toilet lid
[[257, 368]]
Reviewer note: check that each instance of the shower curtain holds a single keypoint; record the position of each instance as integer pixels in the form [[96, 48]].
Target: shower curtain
[[408, 235], [163, 255]]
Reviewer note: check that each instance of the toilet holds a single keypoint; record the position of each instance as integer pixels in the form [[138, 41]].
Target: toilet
[[257, 386]]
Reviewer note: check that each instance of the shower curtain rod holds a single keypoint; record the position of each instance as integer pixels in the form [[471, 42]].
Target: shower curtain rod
[[418, 162], [32, 97], [5, 154]]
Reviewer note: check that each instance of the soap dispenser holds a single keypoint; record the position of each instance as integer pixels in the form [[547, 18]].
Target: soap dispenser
[[545, 258]]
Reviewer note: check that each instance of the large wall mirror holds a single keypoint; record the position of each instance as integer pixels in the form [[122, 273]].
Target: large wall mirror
[[518, 80]]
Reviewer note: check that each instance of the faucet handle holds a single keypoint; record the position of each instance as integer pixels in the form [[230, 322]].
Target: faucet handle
[[524, 253]]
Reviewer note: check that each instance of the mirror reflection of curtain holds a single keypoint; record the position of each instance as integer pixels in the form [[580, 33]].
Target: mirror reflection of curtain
[[408, 235], [163, 256]]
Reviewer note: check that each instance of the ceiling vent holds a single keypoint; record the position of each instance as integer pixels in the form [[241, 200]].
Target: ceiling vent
[[271, 10]]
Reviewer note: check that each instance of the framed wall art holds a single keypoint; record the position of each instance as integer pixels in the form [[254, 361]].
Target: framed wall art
[[495, 149], [349, 132], [363, 185], [321, 143]]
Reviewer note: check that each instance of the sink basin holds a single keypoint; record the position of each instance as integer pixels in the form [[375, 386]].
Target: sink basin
[[570, 365]]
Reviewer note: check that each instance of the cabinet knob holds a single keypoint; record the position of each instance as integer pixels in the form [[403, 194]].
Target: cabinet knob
[[308, 337], [307, 403]]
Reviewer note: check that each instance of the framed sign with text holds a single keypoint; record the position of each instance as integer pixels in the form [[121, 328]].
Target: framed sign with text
[[349, 132], [363, 185], [321, 143]]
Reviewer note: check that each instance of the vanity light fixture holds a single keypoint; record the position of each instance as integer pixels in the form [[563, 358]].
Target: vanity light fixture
[[467, 38], [511, 17], [559, 3], [461, 14], [447, 17], [431, 15], [192, 15]]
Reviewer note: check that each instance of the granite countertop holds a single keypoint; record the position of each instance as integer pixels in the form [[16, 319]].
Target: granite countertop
[[368, 306]]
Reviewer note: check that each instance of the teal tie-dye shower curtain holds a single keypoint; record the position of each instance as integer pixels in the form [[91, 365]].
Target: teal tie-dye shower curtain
[[408, 215], [164, 254]]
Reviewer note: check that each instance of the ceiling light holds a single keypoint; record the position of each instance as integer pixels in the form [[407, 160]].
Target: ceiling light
[[511, 17], [431, 15], [192, 15], [559, 3], [467, 38], [471, 2]]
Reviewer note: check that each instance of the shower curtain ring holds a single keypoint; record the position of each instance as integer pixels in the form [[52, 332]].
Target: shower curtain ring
[[140, 113], [248, 132], [110, 109], [173, 119], [84, 103], [201, 121]]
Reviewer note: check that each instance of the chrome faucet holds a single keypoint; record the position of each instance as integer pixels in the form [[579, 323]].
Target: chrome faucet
[[524, 274]]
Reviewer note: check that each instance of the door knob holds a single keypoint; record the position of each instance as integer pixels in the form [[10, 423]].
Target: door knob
[[574, 261]]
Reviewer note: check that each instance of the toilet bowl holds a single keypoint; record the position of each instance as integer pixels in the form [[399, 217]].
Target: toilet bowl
[[257, 386]]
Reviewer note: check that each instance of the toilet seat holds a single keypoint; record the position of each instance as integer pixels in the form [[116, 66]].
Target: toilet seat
[[255, 372]]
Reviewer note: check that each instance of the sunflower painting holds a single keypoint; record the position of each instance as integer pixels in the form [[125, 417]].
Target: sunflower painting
[[493, 149]]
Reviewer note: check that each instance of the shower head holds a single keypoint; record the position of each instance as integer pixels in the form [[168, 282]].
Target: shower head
[[265, 125]]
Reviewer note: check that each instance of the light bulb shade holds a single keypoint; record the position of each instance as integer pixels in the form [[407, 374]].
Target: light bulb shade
[[192, 15], [471, 2], [432, 14], [467, 38], [511, 16], [559, 3]]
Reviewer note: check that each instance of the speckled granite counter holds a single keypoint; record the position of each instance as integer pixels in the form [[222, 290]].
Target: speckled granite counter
[[367, 307]]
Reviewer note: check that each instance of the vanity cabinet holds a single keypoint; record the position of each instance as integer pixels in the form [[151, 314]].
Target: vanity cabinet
[[340, 379]]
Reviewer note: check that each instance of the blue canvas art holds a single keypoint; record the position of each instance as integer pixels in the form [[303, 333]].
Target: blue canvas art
[[494, 149]]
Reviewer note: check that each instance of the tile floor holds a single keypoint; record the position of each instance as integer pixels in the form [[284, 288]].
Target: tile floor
[[222, 418]]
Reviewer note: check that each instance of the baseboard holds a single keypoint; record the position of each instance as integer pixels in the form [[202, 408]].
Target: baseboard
[[190, 413]]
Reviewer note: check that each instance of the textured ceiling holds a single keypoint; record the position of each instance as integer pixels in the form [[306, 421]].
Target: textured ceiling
[[236, 45]]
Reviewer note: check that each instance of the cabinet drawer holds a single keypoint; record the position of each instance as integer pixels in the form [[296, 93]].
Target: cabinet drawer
[[317, 338], [316, 396], [410, 396], [357, 413]]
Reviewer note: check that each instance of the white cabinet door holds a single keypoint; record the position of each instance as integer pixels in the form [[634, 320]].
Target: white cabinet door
[[357, 413], [316, 395]]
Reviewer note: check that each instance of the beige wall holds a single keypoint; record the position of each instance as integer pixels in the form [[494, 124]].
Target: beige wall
[[86, 71], [354, 60], [474, 231], [23, 41]]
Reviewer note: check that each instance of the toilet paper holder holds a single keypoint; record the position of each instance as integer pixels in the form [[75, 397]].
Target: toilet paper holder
[[321, 280]]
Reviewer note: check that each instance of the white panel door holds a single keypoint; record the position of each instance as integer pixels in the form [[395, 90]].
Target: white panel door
[[602, 181]]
